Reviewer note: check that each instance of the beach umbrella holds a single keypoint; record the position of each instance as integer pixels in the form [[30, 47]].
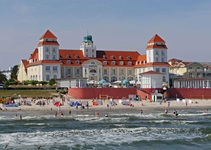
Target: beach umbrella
[[57, 104]]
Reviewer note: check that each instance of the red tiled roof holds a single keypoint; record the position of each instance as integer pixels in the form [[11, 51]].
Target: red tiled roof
[[48, 43], [117, 55], [156, 46], [156, 64], [175, 59], [142, 58], [25, 63], [189, 79], [72, 53], [45, 62], [48, 35], [186, 63], [156, 38], [151, 72], [34, 55]]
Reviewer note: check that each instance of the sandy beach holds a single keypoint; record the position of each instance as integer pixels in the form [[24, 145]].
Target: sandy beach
[[134, 105]]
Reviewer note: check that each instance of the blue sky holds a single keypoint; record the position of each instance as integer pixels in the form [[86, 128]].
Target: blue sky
[[185, 25]]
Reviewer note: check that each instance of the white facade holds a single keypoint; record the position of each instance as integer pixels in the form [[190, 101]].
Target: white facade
[[48, 61], [151, 80]]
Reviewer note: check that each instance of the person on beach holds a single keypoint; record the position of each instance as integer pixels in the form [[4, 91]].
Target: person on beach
[[141, 111], [70, 112], [20, 117], [168, 104], [166, 111], [56, 114], [87, 105]]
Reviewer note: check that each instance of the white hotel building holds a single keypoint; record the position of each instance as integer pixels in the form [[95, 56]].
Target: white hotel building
[[48, 61]]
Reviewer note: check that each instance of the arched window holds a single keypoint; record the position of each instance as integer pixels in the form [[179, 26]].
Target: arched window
[[93, 71], [55, 76], [106, 78], [113, 79], [129, 78], [129, 63], [121, 78], [47, 77], [105, 62]]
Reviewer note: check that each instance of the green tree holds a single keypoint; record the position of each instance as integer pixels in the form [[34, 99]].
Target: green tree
[[6, 84], [2, 78], [52, 82], [14, 72]]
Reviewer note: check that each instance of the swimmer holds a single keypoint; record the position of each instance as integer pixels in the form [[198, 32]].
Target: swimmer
[[141, 111], [106, 115], [166, 111]]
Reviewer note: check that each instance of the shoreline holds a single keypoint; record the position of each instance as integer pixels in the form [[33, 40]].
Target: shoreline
[[136, 105]]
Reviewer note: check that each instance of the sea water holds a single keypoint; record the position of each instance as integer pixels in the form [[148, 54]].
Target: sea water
[[125, 130]]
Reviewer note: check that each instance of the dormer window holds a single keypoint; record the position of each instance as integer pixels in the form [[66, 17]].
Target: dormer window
[[140, 62], [68, 62], [105, 62], [113, 62], [104, 56], [128, 57], [112, 57], [77, 62], [67, 56], [120, 57], [129, 63], [121, 63], [76, 56], [137, 63]]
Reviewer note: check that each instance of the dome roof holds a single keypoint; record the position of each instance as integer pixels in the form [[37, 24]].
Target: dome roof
[[88, 38]]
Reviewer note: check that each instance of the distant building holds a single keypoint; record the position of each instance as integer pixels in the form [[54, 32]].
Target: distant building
[[7, 73], [49, 61]]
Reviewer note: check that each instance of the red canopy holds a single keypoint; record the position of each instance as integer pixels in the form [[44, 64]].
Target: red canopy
[[57, 104]]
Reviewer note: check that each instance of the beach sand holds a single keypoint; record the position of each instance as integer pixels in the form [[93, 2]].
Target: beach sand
[[136, 105]]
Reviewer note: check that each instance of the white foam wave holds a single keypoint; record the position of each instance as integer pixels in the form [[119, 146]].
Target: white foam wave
[[103, 136]]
